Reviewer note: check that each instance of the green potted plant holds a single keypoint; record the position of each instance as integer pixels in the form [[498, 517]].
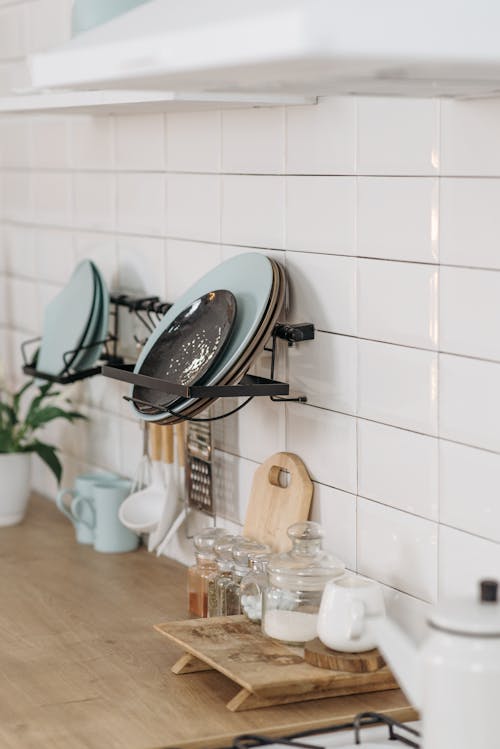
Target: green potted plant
[[20, 424]]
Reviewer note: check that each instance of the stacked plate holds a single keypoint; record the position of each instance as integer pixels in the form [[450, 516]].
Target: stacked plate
[[211, 335], [74, 322]]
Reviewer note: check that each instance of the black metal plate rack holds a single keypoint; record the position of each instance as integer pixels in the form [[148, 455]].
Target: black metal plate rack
[[149, 310]]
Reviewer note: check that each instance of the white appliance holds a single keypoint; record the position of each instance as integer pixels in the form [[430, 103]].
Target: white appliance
[[309, 47], [454, 678]]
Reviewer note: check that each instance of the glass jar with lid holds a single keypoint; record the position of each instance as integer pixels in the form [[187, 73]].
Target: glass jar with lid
[[295, 583], [253, 585], [199, 573], [223, 548], [232, 604]]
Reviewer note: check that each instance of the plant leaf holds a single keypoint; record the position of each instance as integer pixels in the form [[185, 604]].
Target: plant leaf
[[49, 413], [17, 396], [49, 456], [8, 412]]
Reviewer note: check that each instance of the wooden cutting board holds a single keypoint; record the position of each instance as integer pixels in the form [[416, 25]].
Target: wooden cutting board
[[268, 672], [273, 508]]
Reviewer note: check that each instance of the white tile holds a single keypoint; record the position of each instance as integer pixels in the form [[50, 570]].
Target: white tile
[[50, 142], [15, 145], [52, 198], [470, 312], [19, 252], [140, 142], [253, 140], [253, 211], [468, 498], [141, 265], [232, 483], [326, 442], [101, 248], [193, 207], [237, 435], [398, 468], [130, 446], [185, 262], [91, 141], [469, 401], [194, 141], [410, 613], [320, 214], [325, 370], [398, 218], [464, 561], [470, 138], [55, 255], [17, 196], [322, 290], [13, 41], [398, 386], [141, 203], [22, 305], [49, 24], [398, 135], [321, 138], [398, 302], [4, 321], [336, 512], [469, 222], [397, 549], [94, 200], [102, 440]]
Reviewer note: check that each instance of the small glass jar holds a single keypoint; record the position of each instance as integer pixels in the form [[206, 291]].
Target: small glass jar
[[224, 567], [241, 552], [253, 585], [295, 583], [199, 573]]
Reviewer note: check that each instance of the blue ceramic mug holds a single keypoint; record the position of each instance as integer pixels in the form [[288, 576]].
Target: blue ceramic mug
[[83, 517], [110, 536]]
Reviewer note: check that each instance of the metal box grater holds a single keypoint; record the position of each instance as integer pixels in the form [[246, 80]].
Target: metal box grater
[[199, 480]]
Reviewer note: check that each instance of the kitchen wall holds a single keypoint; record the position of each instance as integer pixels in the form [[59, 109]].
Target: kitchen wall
[[385, 213]]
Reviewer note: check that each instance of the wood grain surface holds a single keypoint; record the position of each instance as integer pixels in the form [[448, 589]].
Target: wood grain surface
[[81, 667], [270, 672], [273, 508], [320, 656]]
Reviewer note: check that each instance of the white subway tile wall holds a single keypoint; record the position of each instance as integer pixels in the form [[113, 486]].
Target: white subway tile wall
[[384, 212]]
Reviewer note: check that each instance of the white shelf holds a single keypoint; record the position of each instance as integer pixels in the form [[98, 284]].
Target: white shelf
[[305, 47], [111, 102]]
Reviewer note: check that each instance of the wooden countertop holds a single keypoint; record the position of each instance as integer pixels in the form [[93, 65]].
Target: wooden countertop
[[82, 668]]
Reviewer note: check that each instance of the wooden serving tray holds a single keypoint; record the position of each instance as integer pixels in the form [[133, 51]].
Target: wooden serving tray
[[268, 672]]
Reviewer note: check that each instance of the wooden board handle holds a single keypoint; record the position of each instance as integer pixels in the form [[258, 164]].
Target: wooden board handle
[[155, 441], [180, 433], [167, 443]]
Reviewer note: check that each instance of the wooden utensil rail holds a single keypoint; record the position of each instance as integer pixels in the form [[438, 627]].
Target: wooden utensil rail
[[149, 311]]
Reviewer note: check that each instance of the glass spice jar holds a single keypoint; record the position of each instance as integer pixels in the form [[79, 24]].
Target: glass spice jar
[[224, 560], [253, 585], [241, 552], [295, 583], [199, 573]]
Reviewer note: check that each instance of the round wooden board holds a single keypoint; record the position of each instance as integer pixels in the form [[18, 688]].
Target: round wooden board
[[317, 654]]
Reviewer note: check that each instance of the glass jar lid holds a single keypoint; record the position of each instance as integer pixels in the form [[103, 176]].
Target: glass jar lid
[[307, 566], [243, 550], [204, 541], [223, 549]]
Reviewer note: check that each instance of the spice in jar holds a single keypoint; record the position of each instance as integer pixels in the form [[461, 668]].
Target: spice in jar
[[224, 561], [253, 585], [241, 552], [199, 573]]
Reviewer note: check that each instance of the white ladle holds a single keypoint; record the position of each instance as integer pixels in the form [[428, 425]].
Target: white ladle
[[141, 511], [180, 437], [170, 497]]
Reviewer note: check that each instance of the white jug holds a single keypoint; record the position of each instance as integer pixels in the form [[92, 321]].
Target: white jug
[[454, 679], [347, 607]]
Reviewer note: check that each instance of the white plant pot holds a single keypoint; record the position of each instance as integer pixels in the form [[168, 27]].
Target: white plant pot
[[15, 485]]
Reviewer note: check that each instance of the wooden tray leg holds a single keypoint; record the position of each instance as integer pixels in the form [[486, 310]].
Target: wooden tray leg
[[190, 664]]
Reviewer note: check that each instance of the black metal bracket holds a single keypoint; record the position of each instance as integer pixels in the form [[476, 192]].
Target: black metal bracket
[[150, 310]]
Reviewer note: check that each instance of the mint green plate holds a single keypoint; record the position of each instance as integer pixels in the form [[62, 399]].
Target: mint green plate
[[98, 328]]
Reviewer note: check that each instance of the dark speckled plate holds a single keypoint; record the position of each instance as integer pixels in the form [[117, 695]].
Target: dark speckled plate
[[188, 348]]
